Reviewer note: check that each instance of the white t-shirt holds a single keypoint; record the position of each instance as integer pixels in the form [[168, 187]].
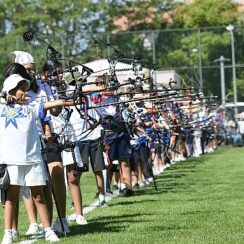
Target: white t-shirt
[[35, 98], [81, 125], [19, 139], [241, 126]]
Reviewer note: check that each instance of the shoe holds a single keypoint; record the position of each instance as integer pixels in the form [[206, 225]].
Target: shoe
[[115, 187], [15, 235], [80, 220], [126, 192], [136, 187], [150, 179], [109, 192], [51, 236], [7, 238], [141, 185], [161, 169], [57, 227], [103, 204], [156, 172], [167, 166], [147, 182], [33, 229]]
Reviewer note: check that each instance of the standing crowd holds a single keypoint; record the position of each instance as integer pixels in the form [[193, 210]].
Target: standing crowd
[[50, 135]]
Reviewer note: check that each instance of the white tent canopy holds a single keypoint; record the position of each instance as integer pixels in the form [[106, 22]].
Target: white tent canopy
[[101, 67]]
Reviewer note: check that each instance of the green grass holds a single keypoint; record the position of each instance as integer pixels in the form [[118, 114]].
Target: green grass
[[198, 201]]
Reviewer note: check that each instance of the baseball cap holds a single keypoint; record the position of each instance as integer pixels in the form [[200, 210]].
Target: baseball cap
[[23, 58], [12, 81]]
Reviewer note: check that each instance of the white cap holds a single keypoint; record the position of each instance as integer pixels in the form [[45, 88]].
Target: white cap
[[23, 58], [12, 81]]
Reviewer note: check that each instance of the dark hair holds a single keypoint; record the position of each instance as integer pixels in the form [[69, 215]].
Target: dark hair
[[51, 65], [15, 68]]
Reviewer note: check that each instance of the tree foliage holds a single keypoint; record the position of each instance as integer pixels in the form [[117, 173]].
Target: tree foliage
[[204, 13], [71, 26]]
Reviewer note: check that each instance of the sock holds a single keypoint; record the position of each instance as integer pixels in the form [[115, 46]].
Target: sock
[[48, 229]]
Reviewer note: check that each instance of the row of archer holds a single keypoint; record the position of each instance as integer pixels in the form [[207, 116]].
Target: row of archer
[[96, 129]]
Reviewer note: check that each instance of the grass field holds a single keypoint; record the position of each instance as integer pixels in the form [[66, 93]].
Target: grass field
[[198, 201]]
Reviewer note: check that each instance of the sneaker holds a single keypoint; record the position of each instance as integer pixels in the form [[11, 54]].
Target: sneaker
[[51, 236], [147, 182], [126, 192], [7, 238], [156, 172], [150, 179], [58, 227], [115, 187], [167, 166], [161, 169], [33, 229], [136, 187], [141, 185], [15, 235], [103, 204], [109, 192], [80, 220]]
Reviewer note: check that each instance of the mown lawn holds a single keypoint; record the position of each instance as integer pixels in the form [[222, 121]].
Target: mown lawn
[[198, 201]]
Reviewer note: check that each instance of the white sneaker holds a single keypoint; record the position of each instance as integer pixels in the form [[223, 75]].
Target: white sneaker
[[141, 185], [156, 172], [167, 166], [51, 236], [7, 238], [33, 229], [161, 169], [80, 220], [150, 179], [147, 182], [58, 227], [172, 161], [15, 235]]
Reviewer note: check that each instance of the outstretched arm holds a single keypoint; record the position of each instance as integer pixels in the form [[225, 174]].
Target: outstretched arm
[[60, 103]]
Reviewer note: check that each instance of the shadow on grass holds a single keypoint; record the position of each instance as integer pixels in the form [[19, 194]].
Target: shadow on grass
[[106, 224], [132, 201], [168, 181]]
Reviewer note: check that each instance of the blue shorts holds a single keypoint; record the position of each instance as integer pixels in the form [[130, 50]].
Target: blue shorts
[[119, 147], [140, 156]]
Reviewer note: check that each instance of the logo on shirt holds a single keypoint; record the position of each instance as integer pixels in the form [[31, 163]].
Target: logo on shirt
[[10, 115]]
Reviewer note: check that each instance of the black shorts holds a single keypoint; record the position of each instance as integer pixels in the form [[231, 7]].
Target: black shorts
[[52, 157], [158, 148], [94, 151]]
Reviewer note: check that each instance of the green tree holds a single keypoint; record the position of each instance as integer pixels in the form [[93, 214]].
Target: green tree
[[204, 13]]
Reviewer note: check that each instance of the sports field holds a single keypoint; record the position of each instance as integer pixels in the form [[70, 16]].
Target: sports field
[[198, 201]]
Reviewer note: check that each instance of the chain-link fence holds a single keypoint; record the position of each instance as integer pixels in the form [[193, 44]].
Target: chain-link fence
[[193, 53]]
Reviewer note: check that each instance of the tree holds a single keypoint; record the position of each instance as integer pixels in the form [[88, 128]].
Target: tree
[[67, 25], [205, 13]]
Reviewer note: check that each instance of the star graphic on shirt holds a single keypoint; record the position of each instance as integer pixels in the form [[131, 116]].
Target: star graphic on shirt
[[11, 114]]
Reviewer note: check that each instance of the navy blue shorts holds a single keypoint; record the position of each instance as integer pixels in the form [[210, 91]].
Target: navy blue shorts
[[119, 147], [140, 156]]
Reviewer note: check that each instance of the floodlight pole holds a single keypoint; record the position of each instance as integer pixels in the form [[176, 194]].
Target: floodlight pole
[[230, 28]]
